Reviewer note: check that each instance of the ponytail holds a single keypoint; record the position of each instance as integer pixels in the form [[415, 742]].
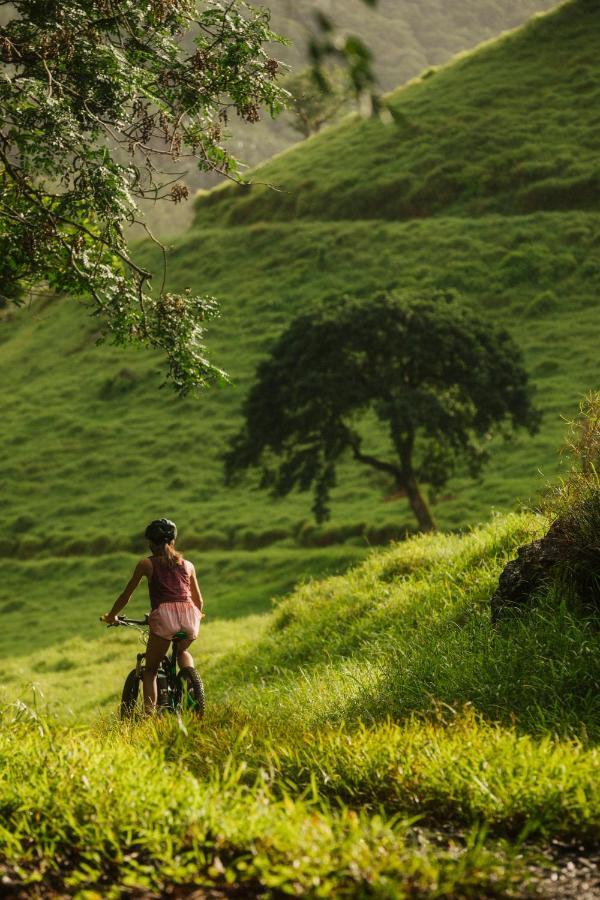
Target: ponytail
[[170, 555]]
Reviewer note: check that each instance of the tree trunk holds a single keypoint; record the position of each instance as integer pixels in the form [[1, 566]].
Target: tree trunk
[[404, 478], [417, 503]]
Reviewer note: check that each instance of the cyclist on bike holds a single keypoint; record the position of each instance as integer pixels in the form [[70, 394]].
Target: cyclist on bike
[[175, 599]]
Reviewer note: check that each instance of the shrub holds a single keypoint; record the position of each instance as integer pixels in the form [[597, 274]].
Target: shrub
[[541, 304], [22, 523], [575, 505], [122, 382]]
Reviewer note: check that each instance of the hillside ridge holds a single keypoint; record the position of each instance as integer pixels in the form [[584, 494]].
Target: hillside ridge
[[93, 449], [504, 128]]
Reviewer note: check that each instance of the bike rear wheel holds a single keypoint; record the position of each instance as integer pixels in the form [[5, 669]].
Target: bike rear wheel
[[190, 692], [130, 698]]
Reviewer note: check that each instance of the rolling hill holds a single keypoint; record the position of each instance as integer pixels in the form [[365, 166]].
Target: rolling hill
[[373, 734], [92, 448], [537, 272], [404, 37], [510, 128]]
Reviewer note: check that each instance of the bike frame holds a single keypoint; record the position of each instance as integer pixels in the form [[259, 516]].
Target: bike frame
[[168, 664], [171, 685]]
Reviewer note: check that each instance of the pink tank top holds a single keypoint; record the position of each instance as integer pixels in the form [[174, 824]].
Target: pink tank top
[[169, 585]]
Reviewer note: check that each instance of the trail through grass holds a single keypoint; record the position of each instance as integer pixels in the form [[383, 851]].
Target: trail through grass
[[372, 734]]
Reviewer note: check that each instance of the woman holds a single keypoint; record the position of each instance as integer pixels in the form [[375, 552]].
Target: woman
[[175, 598]]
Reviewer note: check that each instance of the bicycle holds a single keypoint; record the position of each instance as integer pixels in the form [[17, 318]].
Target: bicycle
[[176, 690]]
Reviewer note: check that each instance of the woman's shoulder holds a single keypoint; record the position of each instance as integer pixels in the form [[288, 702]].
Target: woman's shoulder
[[145, 565]]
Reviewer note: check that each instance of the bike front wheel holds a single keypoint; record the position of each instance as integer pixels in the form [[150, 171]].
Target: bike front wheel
[[190, 692], [130, 705]]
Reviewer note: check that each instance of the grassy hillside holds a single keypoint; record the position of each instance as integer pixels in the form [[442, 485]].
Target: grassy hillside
[[92, 448], [406, 753], [511, 128], [405, 38], [371, 734]]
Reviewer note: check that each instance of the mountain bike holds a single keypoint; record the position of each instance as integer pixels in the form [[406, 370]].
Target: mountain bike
[[176, 690]]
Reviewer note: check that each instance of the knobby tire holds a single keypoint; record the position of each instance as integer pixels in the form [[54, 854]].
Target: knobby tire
[[191, 691], [129, 697]]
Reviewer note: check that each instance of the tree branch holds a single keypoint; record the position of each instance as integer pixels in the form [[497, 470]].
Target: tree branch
[[389, 468]]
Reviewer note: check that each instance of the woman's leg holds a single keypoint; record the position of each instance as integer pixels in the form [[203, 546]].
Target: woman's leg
[[184, 657], [155, 651]]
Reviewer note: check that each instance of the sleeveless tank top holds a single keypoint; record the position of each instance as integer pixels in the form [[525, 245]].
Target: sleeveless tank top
[[169, 585]]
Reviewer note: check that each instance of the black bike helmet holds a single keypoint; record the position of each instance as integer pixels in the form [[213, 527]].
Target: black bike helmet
[[161, 531]]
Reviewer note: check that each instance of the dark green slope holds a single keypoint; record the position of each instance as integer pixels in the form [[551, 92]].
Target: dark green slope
[[91, 447], [511, 128], [405, 37]]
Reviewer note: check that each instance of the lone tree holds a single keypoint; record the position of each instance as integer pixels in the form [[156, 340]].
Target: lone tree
[[439, 377], [99, 99]]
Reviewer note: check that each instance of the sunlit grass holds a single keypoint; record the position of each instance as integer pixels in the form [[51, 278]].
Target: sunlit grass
[[374, 733]]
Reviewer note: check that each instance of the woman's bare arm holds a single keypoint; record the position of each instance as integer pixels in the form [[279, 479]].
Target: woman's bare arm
[[196, 595], [144, 567]]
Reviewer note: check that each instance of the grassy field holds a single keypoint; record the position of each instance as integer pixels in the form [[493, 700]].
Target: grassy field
[[51, 631], [372, 735], [93, 449]]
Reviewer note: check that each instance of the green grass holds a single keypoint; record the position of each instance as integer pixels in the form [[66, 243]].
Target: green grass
[[93, 449], [373, 734], [51, 608], [405, 39], [95, 828], [509, 128], [82, 473]]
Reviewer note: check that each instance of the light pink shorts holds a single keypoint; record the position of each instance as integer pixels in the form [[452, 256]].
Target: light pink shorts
[[169, 618]]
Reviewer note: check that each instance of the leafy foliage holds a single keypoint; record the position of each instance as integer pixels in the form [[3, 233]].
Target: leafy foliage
[[348, 51], [572, 507], [81, 79], [436, 374], [317, 103]]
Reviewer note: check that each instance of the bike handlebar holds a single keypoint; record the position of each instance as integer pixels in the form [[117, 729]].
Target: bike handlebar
[[123, 620]]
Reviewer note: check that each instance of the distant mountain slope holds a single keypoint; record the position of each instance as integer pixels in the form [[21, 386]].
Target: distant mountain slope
[[512, 128], [405, 38]]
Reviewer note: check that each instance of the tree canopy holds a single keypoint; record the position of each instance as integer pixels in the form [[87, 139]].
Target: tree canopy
[[99, 99], [439, 377]]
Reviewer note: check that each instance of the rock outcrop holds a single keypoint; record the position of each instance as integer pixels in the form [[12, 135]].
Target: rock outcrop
[[559, 554]]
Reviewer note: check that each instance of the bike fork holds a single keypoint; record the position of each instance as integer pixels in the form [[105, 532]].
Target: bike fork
[[139, 666]]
